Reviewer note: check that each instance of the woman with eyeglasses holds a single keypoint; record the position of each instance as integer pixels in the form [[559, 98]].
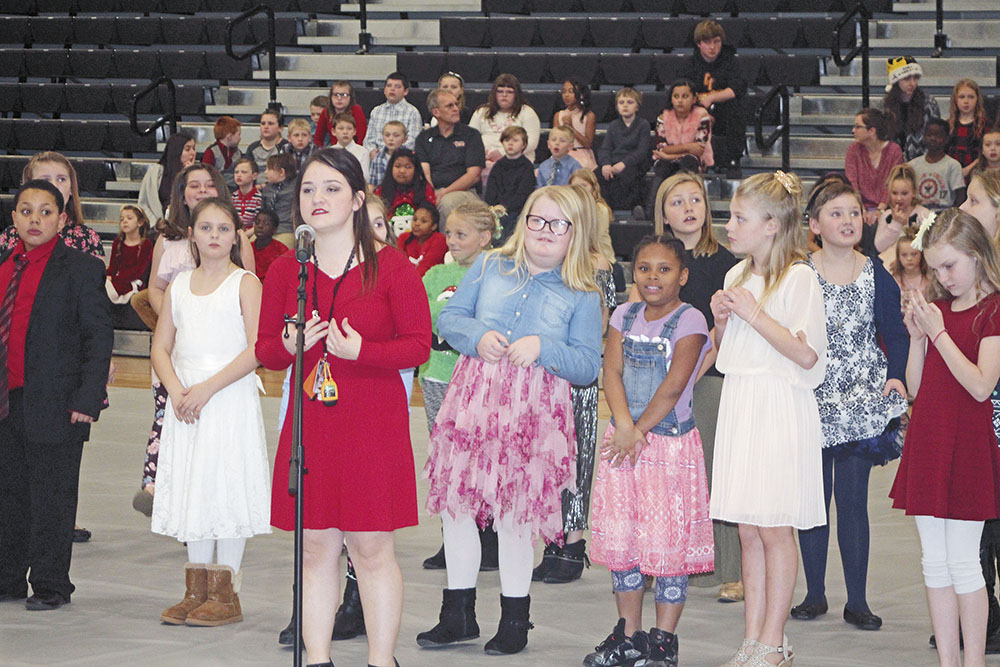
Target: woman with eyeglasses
[[505, 107], [526, 319]]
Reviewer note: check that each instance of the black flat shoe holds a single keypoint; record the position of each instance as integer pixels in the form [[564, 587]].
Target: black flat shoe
[[81, 535], [437, 561], [863, 620], [807, 611], [45, 602]]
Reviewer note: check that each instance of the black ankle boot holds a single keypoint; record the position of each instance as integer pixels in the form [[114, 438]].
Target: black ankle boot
[[287, 636], [568, 565], [457, 621], [435, 562], [549, 556], [490, 559], [328, 663], [512, 635], [350, 619]]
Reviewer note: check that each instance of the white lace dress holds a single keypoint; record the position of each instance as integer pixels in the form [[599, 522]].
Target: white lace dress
[[213, 479]]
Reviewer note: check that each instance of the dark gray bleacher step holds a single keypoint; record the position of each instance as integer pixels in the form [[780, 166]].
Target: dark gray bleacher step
[[937, 72], [132, 343], [384, 32], [951, 7], [297, 66], [962, 33]]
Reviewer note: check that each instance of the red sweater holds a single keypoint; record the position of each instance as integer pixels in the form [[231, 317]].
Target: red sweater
[[423, 254], [263, 257], [128, 263], [324, 128]]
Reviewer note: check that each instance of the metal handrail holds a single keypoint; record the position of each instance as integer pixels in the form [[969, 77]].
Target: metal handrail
[[169, 117], [783, 130], [268, 44], [863, 48]]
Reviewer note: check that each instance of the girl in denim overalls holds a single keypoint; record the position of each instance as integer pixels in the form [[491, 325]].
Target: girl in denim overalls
[[650, 513]]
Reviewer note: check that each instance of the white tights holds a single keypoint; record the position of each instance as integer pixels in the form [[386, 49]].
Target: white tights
[[950, 553], [229, 551], [462, 554]]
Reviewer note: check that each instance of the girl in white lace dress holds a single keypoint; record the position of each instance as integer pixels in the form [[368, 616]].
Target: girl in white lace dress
[[213, 483]]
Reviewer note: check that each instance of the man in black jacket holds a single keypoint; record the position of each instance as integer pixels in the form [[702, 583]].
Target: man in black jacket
[[720, 88]]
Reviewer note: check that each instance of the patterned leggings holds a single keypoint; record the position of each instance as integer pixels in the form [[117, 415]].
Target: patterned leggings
[[669, 590], [153, 446]]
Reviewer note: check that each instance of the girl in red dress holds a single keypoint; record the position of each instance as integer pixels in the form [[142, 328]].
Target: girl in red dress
[[131, 255], [949, 475], [369, 319]]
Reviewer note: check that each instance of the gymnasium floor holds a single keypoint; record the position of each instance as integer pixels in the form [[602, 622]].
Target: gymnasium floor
[[126, 575]]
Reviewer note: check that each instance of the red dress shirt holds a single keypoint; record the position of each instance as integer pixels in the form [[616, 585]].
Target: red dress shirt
[[25, 299]]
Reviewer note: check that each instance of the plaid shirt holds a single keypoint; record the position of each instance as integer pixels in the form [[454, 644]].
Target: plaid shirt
[[402, 111], [376, 171]]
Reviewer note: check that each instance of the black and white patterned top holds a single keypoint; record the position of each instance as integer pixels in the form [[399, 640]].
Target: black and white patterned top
[[851, 404]]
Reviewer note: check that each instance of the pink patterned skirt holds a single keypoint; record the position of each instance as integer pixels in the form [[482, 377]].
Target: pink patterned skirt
[[503, 446], [654, 515]]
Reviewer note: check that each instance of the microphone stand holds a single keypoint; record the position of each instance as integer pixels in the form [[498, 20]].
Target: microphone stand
[[296, 463]]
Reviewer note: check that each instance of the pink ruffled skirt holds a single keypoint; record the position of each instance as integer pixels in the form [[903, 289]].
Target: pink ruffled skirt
[[654, 515], [503, 446]]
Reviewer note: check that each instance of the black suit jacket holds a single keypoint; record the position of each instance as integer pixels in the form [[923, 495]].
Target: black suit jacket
[[67, 348]]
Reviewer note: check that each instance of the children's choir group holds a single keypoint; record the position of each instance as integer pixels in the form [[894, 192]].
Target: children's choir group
[[744, 394]]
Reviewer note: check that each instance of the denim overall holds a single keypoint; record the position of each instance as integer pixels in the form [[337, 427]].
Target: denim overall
[[645, 365]]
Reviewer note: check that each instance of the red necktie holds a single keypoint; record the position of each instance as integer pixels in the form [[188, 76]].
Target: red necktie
[[6, 311]]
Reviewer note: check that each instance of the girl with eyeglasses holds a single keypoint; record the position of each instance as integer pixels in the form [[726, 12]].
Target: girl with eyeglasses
[[341, 100], [526, 319]]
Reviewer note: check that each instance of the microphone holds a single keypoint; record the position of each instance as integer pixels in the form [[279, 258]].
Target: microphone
[[304, 237]]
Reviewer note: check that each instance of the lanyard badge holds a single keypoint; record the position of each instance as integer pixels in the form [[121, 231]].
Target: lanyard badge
[[321, 385]]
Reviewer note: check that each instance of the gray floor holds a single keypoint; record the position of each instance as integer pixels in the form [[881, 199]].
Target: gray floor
[[125, 576]]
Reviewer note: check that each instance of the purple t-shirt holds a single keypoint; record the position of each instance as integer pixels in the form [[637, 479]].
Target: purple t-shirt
[[691, 322]]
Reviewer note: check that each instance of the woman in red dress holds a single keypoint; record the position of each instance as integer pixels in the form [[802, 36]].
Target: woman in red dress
[[369, 319]]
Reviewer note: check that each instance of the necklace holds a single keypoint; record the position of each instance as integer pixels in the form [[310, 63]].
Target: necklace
[[824, 270]]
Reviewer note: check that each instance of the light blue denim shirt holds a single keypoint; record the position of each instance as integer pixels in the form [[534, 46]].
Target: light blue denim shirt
[[567, 321]]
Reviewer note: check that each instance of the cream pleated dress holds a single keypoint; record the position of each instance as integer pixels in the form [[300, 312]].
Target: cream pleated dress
[[768, 463]]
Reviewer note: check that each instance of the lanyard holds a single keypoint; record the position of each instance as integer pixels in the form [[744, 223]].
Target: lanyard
[[336, 286]]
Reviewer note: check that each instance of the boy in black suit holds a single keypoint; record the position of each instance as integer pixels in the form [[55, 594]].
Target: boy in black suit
[[55, 348]]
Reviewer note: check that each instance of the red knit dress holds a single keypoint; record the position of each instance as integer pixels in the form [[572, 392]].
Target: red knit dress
[[951, 465], [358, 452]]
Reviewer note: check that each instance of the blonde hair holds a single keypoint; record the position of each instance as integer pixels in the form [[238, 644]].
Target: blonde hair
[[707, 245], [628, 91], [904, 172], [298, 124], [990, 178], [965, 234], [578, 265], [374, 201], [74, 209], [906, 236], [563, 129], [776, 196], [478, 214]]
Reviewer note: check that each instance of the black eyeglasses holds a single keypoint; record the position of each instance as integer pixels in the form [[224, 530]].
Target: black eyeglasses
[[536, 223]]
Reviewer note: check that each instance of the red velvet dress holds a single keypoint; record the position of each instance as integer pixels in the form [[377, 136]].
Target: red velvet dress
[[358, 452], [951, 465]]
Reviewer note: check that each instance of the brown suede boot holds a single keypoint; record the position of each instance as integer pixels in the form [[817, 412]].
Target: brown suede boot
[[223, 604], [196, 581]]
